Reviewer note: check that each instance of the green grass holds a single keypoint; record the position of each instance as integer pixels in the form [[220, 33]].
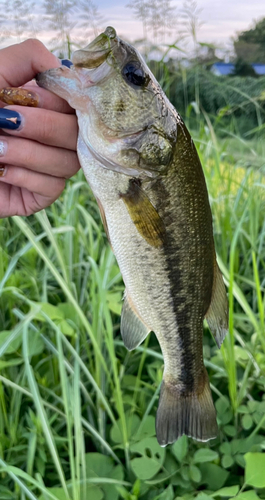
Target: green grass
[[76, 409]]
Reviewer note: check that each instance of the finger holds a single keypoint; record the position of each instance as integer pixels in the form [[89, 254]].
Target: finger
[[35, 182], [48, 100], [47, 127], [21, 62], [33, 96], [28, 154]]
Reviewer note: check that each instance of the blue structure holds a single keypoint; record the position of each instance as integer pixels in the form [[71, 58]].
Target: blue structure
[[259, 68], [224, 69]]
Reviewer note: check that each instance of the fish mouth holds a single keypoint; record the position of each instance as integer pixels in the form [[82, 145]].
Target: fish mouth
[[90, 66], [97, 51]]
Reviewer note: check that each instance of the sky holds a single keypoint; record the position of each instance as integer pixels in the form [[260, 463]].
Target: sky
[[221, 19]]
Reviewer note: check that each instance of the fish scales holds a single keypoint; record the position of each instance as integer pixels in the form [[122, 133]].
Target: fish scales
[[144, 171]]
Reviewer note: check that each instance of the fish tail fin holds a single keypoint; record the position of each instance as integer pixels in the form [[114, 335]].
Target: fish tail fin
[[193, 414]]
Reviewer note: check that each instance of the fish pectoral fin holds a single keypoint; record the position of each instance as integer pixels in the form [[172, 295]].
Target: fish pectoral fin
[[143, 214], [217, 314], [133, 330]]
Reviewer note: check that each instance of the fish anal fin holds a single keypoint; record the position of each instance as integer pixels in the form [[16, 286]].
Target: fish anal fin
[[143, 214], [191, 414], [133, 330], [217, 314]]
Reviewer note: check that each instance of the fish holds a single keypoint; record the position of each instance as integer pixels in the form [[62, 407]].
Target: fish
[[144, 171]]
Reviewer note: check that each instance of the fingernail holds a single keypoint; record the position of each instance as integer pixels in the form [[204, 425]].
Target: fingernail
[[2, 171], [19, 96], [3, 148], [9, 119], [66, 62]]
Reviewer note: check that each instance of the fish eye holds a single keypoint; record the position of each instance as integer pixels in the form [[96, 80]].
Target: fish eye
[[134, 74]]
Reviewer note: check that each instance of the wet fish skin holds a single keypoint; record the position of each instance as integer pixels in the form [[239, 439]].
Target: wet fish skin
[[143, 168]]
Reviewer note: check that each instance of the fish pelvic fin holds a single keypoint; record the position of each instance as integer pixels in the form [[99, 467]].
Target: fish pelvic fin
[[133, 330], [191, 414], [217, 314]]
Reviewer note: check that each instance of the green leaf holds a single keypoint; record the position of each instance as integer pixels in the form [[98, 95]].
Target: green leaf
[[247, 422], [57, 492], [91, 490], [14, 345], [69, 312], [253, 405], [185, 473], [243, 409], [239, 459], [230, 430], [204, 455], [145, 468], [114, 301], [195, 474], [11, 362], [65, 328], [247, 495], [36, 344], [5, 493], [229, 491], [136, 488], [213, 476], [225, 448], [226, 417], [222, 404], [240, 445], [52, 311], [102, 466], [203, 496], [240, 354], [227, 461], [152, 458], [133, 423], [146, 430], [180, 448], [255, 467], [168, 494]]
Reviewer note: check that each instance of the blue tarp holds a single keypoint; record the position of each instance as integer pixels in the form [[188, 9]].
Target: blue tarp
[[222, 68]]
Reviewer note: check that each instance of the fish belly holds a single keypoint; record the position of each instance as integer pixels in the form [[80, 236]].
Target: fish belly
[[142, 266]]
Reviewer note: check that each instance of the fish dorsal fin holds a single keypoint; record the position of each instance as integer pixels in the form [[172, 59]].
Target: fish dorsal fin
[[133, 330], [217, 314], [143, 214]]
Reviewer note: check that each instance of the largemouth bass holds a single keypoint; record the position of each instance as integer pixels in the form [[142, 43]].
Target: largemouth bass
[[144, 171]]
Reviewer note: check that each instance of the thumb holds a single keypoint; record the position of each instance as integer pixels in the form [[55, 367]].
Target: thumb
[[21, 62]]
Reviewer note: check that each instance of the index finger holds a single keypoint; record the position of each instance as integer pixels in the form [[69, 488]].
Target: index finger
[[21, 62]]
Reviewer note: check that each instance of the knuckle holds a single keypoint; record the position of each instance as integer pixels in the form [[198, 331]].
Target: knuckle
[[22, 176], [56, 187], [29, 156], [60, 185], [47, 127], [33, 44], [71, 164]]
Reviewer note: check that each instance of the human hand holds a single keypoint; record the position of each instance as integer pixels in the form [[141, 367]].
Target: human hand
[[36, 158]]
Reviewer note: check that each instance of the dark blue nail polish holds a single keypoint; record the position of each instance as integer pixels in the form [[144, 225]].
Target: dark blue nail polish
[[66, 62], [10, 120]]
